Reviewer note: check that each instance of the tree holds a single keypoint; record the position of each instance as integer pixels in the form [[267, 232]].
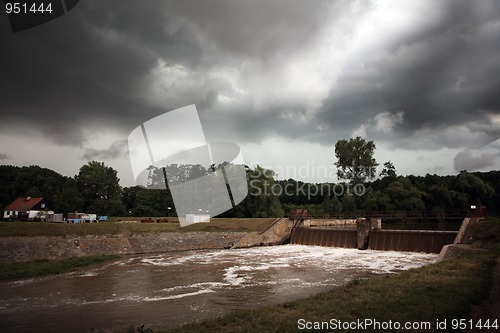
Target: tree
[[474, 187], [99, 186], [389, 171], [355, 161], [405, 196], [377, 201], [349, 203], [151, 203], [331, 204], [69, 199]]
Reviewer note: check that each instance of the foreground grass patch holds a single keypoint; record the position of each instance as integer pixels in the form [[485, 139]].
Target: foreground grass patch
[[17, 270], [440, 291]]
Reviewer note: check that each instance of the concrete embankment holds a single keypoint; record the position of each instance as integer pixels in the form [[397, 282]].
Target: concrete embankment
[[46, 247], [278, 233]]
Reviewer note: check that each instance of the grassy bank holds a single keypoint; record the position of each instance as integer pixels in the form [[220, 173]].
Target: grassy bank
[[487, 233], [18, 270], [440, 291], [30, 229]]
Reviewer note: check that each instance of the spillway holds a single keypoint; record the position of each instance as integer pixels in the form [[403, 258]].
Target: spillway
[[324, 237], [428, 241]]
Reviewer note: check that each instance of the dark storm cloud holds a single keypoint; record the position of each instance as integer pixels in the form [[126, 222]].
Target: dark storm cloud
[[117, 64], [257, 30], [90, 67], [116, 150], [85, 69], [4, 156]]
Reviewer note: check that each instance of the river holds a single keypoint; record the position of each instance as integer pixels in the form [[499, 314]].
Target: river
[[167, 290]]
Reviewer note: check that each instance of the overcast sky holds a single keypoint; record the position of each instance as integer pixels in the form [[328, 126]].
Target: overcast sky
[[282, 79]]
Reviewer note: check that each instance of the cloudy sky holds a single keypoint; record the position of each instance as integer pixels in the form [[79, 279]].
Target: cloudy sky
[[283, 79]]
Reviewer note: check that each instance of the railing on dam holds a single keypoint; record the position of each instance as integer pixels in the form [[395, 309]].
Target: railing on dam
[[387, 240], [392, 215]]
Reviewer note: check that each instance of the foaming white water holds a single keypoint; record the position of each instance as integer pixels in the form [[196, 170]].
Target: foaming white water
[[163, 298]]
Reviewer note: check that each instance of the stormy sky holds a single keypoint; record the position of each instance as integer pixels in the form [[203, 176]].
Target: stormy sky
[[283, 79]]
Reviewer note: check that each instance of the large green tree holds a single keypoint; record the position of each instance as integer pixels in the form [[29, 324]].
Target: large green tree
[[355, 161], [474, 187], [99, 186], [69, 199], [405, 196]]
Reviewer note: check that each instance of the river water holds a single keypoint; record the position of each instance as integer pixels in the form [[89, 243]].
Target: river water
[[167, 290]]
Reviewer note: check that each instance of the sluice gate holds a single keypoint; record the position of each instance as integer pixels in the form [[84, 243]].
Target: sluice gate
[[387, 240], [429, 241], [324, 237]]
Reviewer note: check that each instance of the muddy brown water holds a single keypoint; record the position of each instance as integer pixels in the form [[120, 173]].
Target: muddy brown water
[[168, 290]]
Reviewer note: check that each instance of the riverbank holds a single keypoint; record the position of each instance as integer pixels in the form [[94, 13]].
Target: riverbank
[[21, 270]]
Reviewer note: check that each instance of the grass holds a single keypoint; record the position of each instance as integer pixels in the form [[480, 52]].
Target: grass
[[440, 291], [487, 232], [30, 229], [18, 270]]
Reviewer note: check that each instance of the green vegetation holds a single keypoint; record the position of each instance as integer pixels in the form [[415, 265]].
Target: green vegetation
[[99, 186], [18, 270], [30, 229], [425, 294], [355, 161], [487, 232]]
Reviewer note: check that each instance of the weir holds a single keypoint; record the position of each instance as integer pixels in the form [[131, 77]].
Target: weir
[[324, 237], [428, 241]]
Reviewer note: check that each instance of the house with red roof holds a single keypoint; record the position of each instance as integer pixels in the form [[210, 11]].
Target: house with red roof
[[27, 209]]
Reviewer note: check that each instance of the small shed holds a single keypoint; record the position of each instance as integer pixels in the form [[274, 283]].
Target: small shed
[[197, 218]]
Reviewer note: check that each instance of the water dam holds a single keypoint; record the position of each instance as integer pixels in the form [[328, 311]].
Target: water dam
[[428, 241]]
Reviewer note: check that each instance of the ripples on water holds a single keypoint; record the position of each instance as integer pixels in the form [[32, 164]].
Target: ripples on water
[[167, 290]]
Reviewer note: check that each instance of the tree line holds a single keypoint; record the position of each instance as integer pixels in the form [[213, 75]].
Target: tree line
[[96, 189]]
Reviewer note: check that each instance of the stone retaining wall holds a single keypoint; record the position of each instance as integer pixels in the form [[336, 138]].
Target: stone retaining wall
[[33, 248]]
